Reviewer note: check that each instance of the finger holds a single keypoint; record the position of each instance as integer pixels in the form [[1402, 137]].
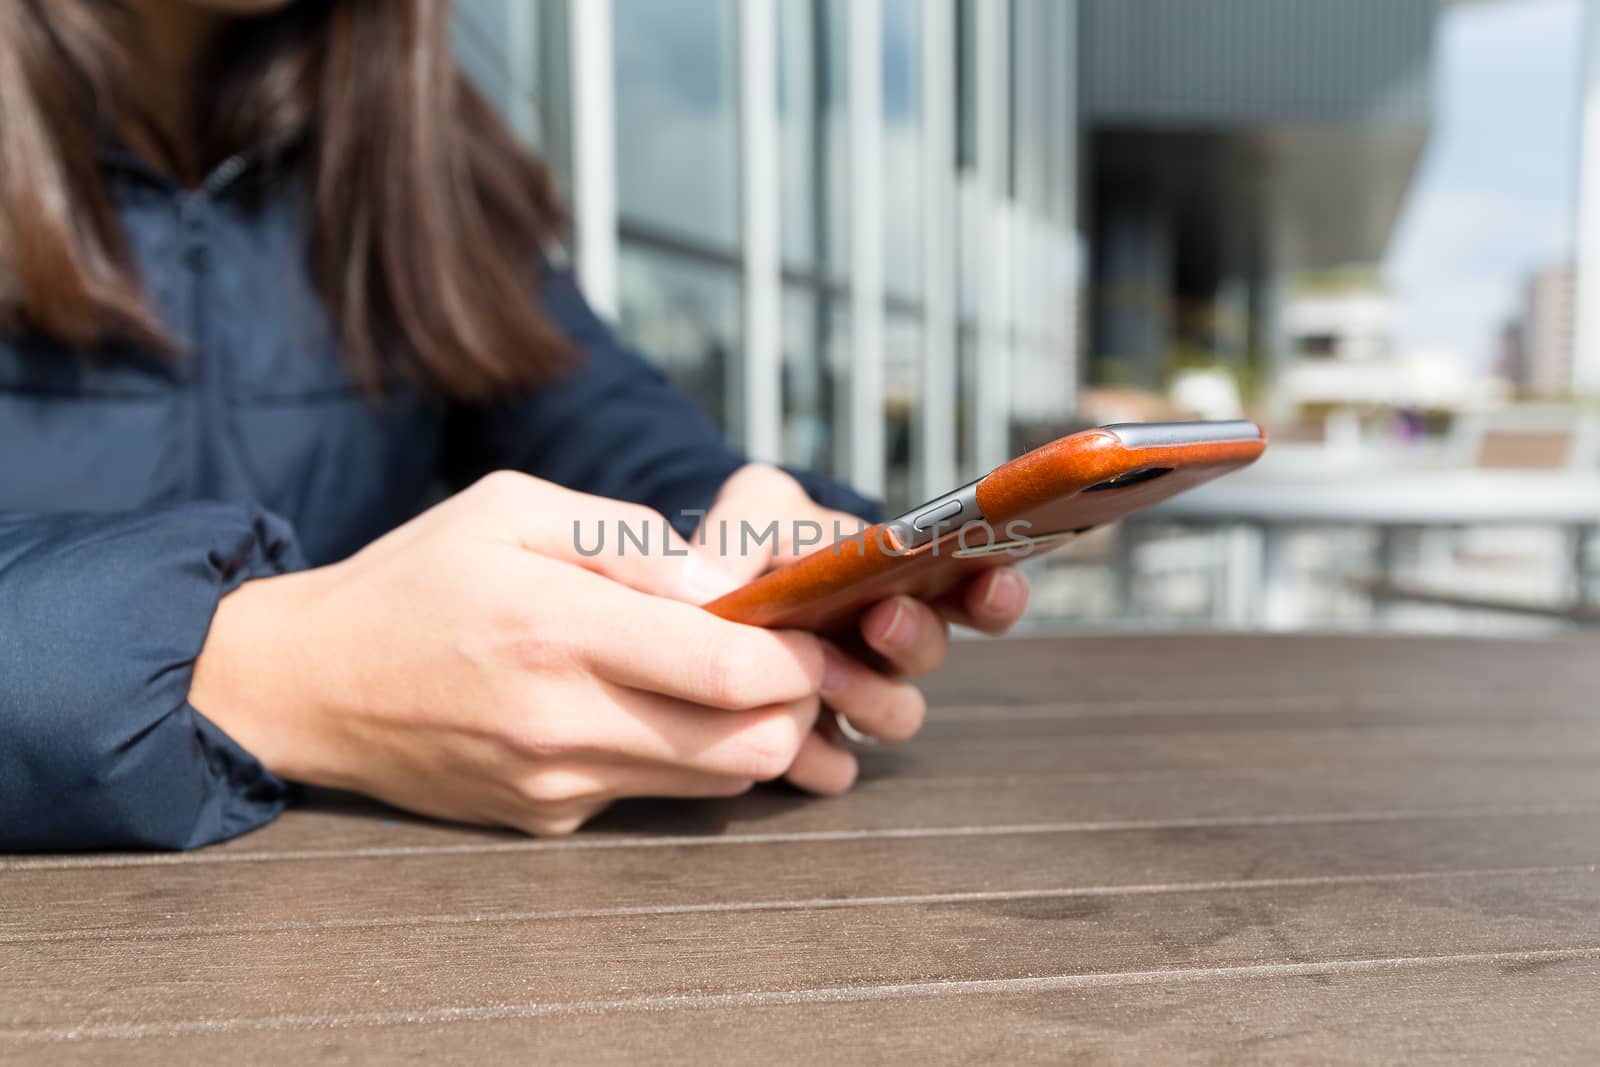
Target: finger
[[765, 518], [907, 633], [878, 706], [748, 539], [671, 783], [628, 543], [542, 821], [630, 729], [814, 530], [678, 650], [746, 522], [823, 767], [569, 788], [991, 602]]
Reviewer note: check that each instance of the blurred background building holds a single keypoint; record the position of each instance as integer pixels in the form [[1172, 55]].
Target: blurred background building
[[901, 240]]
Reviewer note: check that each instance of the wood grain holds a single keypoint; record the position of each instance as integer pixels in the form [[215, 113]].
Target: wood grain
[[328, 974], [1195, 849], [342, 826], [1247, 668], [427, 887], [1441, 1010], [1023, 749]]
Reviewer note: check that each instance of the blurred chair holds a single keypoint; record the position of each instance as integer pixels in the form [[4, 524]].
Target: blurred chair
[[1523, 569], [1530, 438]]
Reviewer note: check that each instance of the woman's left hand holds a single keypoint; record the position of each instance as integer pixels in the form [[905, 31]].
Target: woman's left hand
[[910, 635]]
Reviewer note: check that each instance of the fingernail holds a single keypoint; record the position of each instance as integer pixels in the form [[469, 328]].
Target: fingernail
[[1003, 594], [835, 671], [900, 631], [704, 578]]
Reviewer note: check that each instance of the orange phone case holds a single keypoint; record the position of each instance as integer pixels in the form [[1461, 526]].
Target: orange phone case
[[1066, 487]]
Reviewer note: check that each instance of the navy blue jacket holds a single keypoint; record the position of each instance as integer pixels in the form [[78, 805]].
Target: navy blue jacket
[[136, 490]]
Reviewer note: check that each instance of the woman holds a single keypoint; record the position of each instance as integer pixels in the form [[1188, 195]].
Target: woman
[[269, 273]]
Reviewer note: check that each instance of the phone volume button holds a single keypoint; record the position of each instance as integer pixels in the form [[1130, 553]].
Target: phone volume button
[[935, 515]]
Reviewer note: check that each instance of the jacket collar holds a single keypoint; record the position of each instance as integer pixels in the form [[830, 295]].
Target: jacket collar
[[114, 154]]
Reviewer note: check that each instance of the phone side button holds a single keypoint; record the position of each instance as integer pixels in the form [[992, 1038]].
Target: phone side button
[[937, 514]]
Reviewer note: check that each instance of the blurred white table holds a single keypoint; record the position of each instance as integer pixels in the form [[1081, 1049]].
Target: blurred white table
[[1266, 505]]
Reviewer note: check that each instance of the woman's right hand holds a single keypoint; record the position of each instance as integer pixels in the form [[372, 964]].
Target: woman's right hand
[[474, 665]]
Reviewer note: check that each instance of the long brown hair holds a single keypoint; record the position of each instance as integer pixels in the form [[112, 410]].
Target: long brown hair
[[426, 214]]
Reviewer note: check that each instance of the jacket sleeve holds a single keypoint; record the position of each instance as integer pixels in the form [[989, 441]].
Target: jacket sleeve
[[613, 426], [101, 619]]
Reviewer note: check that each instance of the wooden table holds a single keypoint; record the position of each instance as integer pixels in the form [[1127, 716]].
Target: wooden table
[[1200, 848]]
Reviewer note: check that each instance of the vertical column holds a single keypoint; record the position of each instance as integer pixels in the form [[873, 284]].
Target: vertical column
[[938, 244], [594, 161], [1586, 346], [1068, 177], [1028, 153], [758, 127], [1064, 293], [867, 459], [993, 384]]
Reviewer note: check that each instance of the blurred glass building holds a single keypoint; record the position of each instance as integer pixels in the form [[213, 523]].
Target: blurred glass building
[[1233, 144], [864, 233], [849, 228], [902, 240]]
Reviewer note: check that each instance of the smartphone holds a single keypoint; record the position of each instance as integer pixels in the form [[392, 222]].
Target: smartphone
[[1037, 502]]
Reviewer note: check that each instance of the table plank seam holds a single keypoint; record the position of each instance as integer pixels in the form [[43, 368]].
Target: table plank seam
[[906, 780], [587, 843], [1475, 703], [809, 904], [820, 995]]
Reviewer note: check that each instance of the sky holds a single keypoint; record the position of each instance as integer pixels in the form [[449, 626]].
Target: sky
[[1494, 195]]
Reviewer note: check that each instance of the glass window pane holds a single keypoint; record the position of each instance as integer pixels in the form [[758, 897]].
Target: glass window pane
[[966, 84], [814, 174], [677, 118], [834, 140], [837, 356], [515, 53], [902, 147], [485, 41], [903, 396], [816, 381], [686, 315], [806, 424], [798, 151]]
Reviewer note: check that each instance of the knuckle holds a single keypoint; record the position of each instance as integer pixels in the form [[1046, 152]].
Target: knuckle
[[760, 668], [537, 643], [633, 521], [538, 736], [732, 680], [804, 669], [555, 825], [537, 744], [530, 636], [768, 749], [553, 789], [637, 515], [570, 818], [501, 485]]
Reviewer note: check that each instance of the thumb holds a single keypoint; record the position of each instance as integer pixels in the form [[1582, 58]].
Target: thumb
[[628, 543]]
